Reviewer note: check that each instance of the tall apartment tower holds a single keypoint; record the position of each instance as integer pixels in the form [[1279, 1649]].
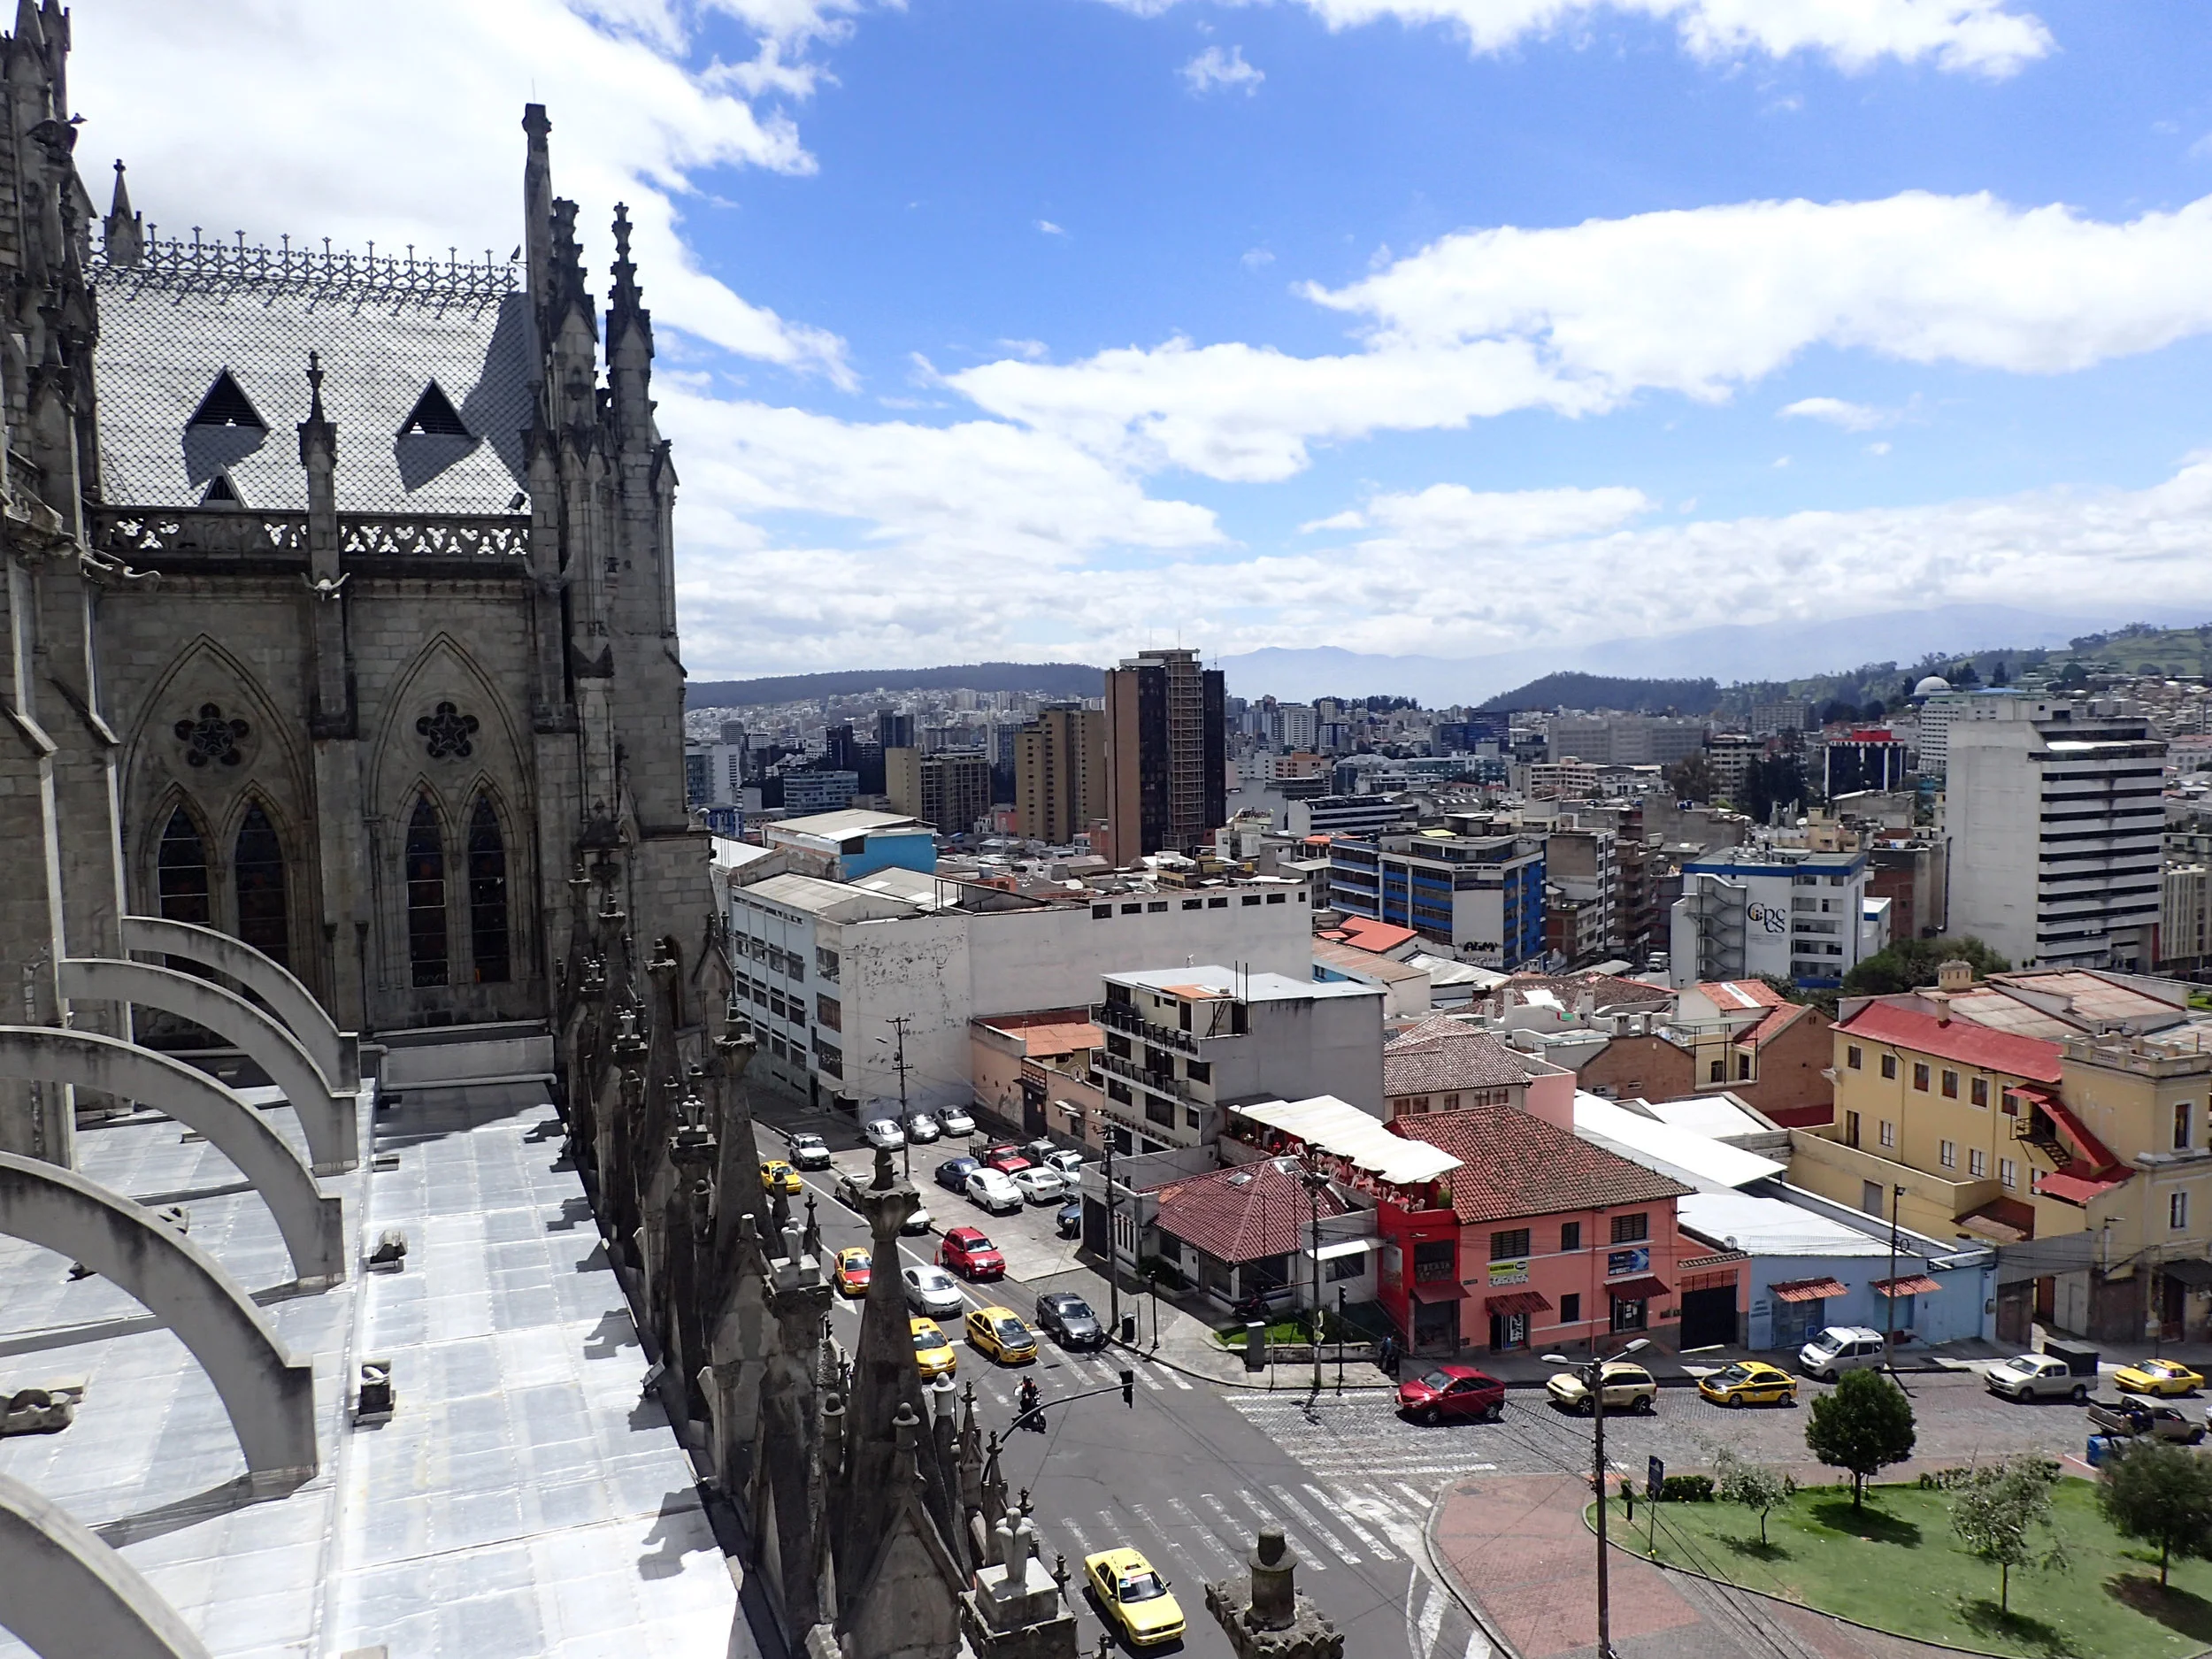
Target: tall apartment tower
[[1166, 755], [950, 790], [1060, 773], [2053, 817]]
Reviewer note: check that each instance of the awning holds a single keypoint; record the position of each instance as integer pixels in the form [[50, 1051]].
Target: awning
[[1638, 1289], [1344, 1246], [2078, 1190], [1905, 1285], [2196, 1275], [1436, 1290], [1518, 1302], [1808, 1289], [2006, 1220]]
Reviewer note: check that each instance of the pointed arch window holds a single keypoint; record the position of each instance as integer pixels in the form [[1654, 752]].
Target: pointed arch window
[[181, 870], [427, 950], [258, 869], [487, 894]]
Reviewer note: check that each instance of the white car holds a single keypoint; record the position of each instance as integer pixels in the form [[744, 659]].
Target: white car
[[885, 1132], [932, 1292], [954, 1121], [995, 1191], [920, 1221], [1839, 1348], [1067, 1162], [1039, 1186], [2036, 1377], [809, 1152]]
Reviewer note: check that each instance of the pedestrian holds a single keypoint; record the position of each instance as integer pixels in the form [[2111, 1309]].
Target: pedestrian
[[1388, 1356]]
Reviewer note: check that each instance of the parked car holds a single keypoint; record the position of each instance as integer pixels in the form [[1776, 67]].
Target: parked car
[[2157, 1377], [1067, 1161], [1067, 1221], [2131, 1419], [968, 1252], [1839, 1348], [994, 1192], [1068, 1321], [809, 1152], [952, 1174], [2036, 1377], [1127, 1591], [931, 1291], [1749, 1382], [1038, 1150], [1008, 1163], [1039, 1186], [1000, 1332], [955, 1121], [885, 1132], [932, 1350], [1628, 1387], [1452, 1391], [917, 1222], [922, 1129], [1000, 1149]]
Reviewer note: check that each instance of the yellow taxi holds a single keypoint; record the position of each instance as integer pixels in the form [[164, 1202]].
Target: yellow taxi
[[2157, 1377], [1136, 1598], [999, 1332], [1749, 1382], [850, 1275], [932, 1350], [776, 1175]]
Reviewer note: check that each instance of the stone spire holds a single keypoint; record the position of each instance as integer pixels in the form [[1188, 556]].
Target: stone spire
[[125, 234]]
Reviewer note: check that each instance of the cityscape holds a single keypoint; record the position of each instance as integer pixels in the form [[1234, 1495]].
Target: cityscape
[[1522, 971]]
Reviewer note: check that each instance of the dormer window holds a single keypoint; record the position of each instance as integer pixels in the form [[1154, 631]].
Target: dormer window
[[221, 492], [434, 416], [227, 405]]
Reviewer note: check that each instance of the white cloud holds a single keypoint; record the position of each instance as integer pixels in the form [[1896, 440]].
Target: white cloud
[[1879, 447], [424, 146], [1257, 258], [1837, 413], [1450, 517], [1028, 351], [1214, 68], [1986, 37], [1049, 228], [1579, 319]]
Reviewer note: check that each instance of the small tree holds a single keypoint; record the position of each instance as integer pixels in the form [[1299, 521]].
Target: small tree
[[1692, 779], [1757, 1487], [2162, 1494], [1999, 1513], [1864, 1426]]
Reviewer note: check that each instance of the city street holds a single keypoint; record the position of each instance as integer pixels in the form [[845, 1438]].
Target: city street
[[1196, 1467]]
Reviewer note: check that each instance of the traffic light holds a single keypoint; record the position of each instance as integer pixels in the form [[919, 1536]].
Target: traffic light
[[1128, 1387]]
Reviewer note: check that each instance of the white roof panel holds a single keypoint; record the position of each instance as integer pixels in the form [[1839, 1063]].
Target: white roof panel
[[1708, 1164], [1769, 1227], [1342, 1129]]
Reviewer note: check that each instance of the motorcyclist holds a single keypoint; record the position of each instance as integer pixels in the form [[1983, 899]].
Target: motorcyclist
[[1029, 1399]]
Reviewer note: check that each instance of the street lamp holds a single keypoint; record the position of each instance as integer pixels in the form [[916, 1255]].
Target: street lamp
[[1592, 1371], [1113, 1264], [1316, 1183], [1889, 1328]]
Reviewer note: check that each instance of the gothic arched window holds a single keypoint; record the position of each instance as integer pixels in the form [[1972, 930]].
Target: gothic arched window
[[426, 951], [487, 894], [258, 868], [181, 870]]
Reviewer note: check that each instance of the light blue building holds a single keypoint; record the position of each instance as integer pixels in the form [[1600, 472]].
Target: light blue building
[[846, 846]]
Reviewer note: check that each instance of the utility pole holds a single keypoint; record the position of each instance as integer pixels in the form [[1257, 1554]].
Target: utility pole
[[898, 1023], [1592, 1371], [1889, 1297], [1113, 1265], [1315, 1183]]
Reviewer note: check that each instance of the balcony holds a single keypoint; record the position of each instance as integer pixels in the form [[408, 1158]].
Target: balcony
[[1120, 1016], [1158, 1082]]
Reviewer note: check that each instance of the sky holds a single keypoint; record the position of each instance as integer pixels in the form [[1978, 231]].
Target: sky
[[1052, 329]]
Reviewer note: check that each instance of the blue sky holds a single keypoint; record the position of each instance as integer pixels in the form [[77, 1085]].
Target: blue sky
[[1028, 328]]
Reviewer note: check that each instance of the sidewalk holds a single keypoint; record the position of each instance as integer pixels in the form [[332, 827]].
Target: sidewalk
[[1516, 1550]]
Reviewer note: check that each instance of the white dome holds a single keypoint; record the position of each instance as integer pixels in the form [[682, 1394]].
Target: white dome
[[1929, 687]]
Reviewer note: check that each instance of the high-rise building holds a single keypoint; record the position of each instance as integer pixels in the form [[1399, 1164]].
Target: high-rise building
[[950, 789], [1060, 773], [2052, 810], [1166, 755], [894, 729]]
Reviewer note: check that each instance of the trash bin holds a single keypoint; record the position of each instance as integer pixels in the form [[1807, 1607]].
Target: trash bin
[[2100, 1448], [1129, 1327], [1254, 1346]]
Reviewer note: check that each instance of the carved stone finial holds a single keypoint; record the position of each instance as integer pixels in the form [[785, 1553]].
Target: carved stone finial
[[124, 230], [887, 1178], [314, 363]]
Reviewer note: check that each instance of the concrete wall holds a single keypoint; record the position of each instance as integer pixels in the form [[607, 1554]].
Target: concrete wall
[[916, 967], [1024, 961]]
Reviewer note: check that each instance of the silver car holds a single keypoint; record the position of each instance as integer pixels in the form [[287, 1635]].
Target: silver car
[[921, 1129], [884, 1132], [2036, 1377], [1839, 1348], [932, 1292], [954, 1121]]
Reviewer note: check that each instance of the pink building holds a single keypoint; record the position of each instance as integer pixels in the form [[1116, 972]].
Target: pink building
[[1538, 1239]]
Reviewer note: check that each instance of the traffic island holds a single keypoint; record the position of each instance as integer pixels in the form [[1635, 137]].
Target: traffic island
[[1264, 1615]]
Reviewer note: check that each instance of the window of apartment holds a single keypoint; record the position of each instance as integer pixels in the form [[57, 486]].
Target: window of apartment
[[1217, 905], [1950, 1083], [825, 962], [2181, 1126], [1854, 1057], [1451, 1102], [1889, 1132], [1116, 1090], [1631, 1229], [2177, 1211], [1889, 1067], [1182, 1014], [1132, 910], [1117, 1045], [1437, 1259], [1570, 1235], [1194, 904], [1947, 1154], [1251, 898], [1976, 1163], [1719, 1073], [829, 1011], [2008, 1172], [1155, 906], [1159, 1111], [1570, 1308], [1199, 1071], [1743, 1068], [1978, 1093], [1851, 1129], [1100, 912], [1509, 1246], [1920, 1077]]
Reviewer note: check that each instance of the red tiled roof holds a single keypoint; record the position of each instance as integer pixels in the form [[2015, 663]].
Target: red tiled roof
[[1514, 1165], [1364, 933], [2078, 1190], [1907, 1285], [1245, 1212], [1441, 1055], [1773, 1026], [1517, 1301], [1735, 996], [1809, 1289], [1956, 1039], [1607, 990]]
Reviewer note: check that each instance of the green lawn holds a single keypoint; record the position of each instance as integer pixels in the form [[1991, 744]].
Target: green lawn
[[1897, 1565], [1279, 1331]]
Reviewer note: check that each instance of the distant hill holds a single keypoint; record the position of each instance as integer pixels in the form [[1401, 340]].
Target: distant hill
[[1051, 680], [1601, 691]]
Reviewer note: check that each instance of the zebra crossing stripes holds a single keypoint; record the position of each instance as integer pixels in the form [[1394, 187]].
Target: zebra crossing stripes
[[1307, 1553], [1204, 1534], [1313, 1525], [1348, 1516]]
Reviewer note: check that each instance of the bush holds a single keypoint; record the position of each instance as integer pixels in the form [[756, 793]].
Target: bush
[[1686, 1489]]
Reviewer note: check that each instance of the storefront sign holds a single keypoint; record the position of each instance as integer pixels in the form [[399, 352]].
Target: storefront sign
[[1620, 1263], [1508, 1273]]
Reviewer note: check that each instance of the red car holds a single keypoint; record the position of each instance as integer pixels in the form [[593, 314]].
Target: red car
[[1005, 1160], [965, 1251], [1452, 1391]]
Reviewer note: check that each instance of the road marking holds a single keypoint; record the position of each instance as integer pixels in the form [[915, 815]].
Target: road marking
[[1422, 1499], [1478, 1645], [1166, 1537], [1147, 1378], [1307, 1553], [1076, 1532], [1312, 1521], [1375, 1546], [1371, 1503], [1430, 1621], [1205, 1534], [1172, 1374]]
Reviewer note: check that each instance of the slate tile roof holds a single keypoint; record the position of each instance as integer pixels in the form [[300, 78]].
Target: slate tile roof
[[1443, 1055], [1245, 1212], [1515, 1164]]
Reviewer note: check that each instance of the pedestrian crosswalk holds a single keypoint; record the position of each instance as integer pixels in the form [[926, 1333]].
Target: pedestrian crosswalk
[[1361, 1438]]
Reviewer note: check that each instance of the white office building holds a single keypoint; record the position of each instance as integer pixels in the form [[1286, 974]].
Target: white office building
[[1796, 914], [2053, 812]]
